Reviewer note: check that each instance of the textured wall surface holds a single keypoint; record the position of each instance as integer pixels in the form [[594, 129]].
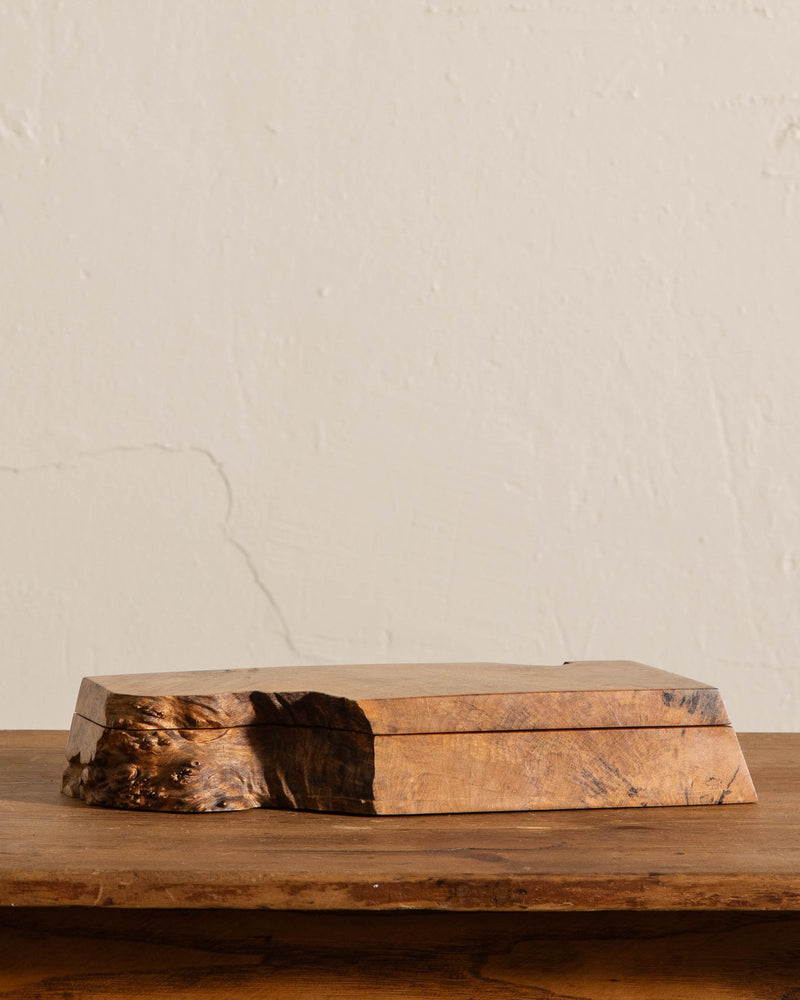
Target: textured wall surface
[[362, 331]]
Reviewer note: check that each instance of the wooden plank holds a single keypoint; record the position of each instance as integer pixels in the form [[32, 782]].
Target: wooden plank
[[55, 851], [214, 955], [406, 698]]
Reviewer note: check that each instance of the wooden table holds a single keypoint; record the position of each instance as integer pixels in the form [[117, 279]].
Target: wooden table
[[677, 902]]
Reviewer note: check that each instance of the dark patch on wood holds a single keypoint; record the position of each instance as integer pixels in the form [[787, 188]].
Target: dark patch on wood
[[592, 782], [727, 789], [690, 702]]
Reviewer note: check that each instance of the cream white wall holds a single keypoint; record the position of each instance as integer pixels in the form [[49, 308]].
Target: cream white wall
[[361, 331]]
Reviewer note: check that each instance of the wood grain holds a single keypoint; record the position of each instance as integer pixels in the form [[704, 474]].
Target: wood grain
[[57, 852], [408, 739], [221, 770], [406, 698], [214, 955], [300, 767], [571, 769]]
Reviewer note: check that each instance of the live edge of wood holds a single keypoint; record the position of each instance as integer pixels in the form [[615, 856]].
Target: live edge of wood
[[57, 852]]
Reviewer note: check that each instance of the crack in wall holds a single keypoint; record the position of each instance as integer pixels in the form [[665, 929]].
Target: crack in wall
[[230, 538], [242, 550]]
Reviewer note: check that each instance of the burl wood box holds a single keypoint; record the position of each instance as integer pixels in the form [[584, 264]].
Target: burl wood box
[[404, 738]]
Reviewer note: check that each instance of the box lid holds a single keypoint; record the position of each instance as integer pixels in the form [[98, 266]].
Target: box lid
[[394, 699]]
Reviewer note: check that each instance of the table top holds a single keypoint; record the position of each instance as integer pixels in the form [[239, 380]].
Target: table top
[[56, 851]]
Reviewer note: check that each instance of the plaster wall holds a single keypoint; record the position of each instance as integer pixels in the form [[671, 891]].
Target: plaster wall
[[366, 331]]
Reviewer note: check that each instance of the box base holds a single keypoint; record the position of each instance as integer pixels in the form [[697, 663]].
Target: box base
[[219, 770]]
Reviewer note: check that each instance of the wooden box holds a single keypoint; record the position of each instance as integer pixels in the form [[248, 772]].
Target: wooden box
[[404, 738]]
